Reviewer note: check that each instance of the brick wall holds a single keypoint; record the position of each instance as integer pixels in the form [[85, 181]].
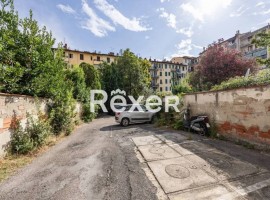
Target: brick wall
[[239, 114], [19, 105]]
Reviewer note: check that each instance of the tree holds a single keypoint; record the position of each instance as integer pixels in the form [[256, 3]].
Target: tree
[[183, 87], [77, 78], [92, 79], [134, 73], [263, 40], [219, 64]]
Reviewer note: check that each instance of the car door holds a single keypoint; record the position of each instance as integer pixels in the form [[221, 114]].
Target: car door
[[135, 115], [145, 114]]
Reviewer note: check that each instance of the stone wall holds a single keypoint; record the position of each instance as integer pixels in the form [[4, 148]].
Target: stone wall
[[242, 114], [19, 105]]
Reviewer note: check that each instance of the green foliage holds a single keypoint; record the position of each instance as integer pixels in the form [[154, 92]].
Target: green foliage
[[213, 129], [62, 114], [178, 125], [38, 130], [262, 78], [21, 141], [183, 87], [33, 136], [92, 79], [77, 78], [87, 115], [129, 73], [263, 40]]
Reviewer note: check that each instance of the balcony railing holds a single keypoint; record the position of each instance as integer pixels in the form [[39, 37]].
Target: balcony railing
[[154, 85], [155, 68], [257, 53], [154, 76]]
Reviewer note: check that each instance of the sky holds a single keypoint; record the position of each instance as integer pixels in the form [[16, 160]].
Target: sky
[[157, 29]]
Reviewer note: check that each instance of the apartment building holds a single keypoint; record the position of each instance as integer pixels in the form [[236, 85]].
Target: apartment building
[[190, 61], [243, 43], [166, 74], [76, 57]]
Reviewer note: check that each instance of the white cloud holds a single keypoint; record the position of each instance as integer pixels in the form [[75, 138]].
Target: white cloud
[[96, 25], [147, 37], [184, 48], [186, 31], [162, 1], [66, 9], [264, 12], [197, 14], [118, 18], [260, 4], [239, 12], [202, 8], [171, 18]]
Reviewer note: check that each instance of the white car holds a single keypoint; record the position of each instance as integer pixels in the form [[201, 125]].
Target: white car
[[127, 117]]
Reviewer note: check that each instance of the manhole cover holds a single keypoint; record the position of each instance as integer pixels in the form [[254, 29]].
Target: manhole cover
[[177, 171], [156, 150], [266, 191]]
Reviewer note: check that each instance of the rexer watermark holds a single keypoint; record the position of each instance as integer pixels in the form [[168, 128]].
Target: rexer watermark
[[118, 102]]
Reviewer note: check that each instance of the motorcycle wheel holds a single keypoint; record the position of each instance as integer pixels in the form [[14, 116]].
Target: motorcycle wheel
[[204, 131]]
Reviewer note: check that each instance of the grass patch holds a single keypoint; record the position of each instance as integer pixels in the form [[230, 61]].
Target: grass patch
[[12, 163]]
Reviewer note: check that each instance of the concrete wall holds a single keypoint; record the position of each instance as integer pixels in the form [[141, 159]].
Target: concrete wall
[[239, 114], [20, 105]]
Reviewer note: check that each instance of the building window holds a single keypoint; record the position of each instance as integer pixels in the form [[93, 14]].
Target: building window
[[81, 56], [250, 48], [98, 58], [91, 57], [165, 66], [160, 81], [166, 81], [160, 73], [165, 73], [169, 73], [166, 88], [160, 89], [70, 55], [108, 60]]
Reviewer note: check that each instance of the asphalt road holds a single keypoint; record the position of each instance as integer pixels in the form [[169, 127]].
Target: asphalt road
[[95, 162], [98, 161]]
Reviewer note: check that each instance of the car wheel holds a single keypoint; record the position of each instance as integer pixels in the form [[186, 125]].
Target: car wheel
[[125, 122]]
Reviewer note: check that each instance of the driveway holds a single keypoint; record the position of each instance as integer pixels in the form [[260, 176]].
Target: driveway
[[102, 160]]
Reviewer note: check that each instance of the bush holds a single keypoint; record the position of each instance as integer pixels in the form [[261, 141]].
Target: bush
[[21, 142], [87, 115], [39, 130], [178, 125], [33, 136], [262, 78], [61, 114]]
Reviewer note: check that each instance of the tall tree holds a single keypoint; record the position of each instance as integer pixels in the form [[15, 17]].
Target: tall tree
[[92, 78], [219, 64], [134, 73]]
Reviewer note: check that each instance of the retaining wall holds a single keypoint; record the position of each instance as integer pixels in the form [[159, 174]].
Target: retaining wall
[[19, 105], [242, 114]]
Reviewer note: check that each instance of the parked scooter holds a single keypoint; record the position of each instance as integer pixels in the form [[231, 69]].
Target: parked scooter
[[199, 124]]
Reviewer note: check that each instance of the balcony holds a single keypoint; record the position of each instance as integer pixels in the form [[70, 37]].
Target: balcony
[[154, 68], [257, 53], [154, 76], [154, 85]]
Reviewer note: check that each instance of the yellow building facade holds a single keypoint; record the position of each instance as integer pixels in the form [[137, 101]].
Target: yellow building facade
[[76, 57]]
